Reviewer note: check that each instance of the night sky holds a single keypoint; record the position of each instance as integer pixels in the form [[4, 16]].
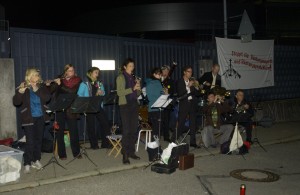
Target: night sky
[[56, 14]]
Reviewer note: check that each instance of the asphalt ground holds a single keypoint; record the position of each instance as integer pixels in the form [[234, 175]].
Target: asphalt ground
[[210, 175]]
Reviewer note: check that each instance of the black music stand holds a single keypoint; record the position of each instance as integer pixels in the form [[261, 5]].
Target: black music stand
[[112, 100], [161, 103], [62, 102], [255, 139], [84, 105]]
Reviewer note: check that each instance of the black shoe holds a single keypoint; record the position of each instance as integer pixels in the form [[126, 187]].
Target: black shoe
[[79, 156], [125, 159], [195, 146], [135, 157]]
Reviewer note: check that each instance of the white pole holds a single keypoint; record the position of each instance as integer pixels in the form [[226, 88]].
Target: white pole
[[225, 18]]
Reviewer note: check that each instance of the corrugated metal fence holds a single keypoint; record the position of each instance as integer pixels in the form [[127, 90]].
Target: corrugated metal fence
[[51, 50]]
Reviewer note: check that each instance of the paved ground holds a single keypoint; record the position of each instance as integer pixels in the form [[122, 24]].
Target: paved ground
[[209, 176]]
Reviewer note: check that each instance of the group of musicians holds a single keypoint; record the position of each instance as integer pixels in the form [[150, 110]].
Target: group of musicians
[[33, 95]]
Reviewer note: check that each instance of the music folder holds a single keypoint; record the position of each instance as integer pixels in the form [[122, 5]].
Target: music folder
[[86, 104], [61, 103], [162, 102]]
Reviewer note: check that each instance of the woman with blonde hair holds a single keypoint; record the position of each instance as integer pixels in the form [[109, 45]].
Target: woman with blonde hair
[[32, 96]]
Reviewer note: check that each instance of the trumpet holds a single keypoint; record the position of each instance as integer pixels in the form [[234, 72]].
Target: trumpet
[[197, 85]]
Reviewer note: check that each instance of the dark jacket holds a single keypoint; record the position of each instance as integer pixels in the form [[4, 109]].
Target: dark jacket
[[239, 113], [221, 109], [207, 77], [24, 101], [182, 93]]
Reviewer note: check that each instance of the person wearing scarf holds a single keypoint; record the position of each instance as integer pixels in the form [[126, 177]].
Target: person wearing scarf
[[128, 89], [68, 83], [91, 88]]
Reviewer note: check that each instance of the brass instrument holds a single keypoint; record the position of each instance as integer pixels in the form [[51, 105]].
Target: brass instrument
[[197, 85], [221, 92], [240, 108]]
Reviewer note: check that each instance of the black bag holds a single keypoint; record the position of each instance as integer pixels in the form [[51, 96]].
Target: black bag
[[152, 153], [162, 168], [224, 149], [47, 146], [18, 145], [177, 151]]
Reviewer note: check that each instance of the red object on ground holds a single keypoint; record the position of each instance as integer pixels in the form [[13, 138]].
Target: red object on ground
[[247, 144], [7, 142], [243, 189]]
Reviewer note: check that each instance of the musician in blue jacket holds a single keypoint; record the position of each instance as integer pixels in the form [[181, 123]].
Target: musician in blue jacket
[[154, 90], [90, 88]]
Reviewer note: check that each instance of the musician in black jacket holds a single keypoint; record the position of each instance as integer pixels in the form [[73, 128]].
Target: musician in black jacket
[[243, 113], [187, 93], [211, 79]]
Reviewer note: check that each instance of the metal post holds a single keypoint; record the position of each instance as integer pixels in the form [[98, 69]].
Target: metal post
[[225, 18]]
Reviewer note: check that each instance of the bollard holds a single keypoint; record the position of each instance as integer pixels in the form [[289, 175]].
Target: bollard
[[243, 189]]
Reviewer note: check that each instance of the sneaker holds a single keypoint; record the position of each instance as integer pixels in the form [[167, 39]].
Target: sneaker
[[27, 169], [36, 165]]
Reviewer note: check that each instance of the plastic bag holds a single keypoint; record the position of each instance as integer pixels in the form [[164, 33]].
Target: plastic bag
[[67, 140]]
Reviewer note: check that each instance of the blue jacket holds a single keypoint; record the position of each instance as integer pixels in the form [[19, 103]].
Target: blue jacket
[[154, 90], [85, 89]]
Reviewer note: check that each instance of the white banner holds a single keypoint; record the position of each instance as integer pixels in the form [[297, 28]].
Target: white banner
[[246, 65]]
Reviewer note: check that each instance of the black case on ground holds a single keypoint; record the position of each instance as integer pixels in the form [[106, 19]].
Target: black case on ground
[[177, 151], [163, 168]]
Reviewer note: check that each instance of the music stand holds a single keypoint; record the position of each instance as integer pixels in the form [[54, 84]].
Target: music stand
[[162, 102], [62, 102], [112, 100], [255, 139], [85, 105]]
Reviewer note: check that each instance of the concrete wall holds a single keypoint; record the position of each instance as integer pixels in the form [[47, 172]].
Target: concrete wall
[[8, 122]]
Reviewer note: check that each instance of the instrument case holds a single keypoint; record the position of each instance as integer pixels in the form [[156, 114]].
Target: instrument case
[[163, 168], [186, 161]]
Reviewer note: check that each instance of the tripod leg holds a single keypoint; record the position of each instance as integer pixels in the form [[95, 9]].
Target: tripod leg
[[208, 150], [255, 140], [73, 159], [87, 156]]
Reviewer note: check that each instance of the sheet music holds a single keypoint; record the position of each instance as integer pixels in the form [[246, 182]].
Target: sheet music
[[162, 102]]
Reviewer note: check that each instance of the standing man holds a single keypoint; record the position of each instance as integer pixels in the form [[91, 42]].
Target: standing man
[[187, 105], [211, 79]]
